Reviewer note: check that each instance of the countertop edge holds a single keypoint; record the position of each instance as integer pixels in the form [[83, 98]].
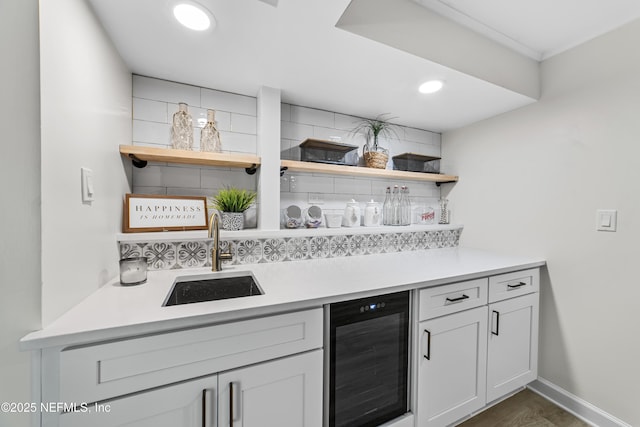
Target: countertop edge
[[33, 341]]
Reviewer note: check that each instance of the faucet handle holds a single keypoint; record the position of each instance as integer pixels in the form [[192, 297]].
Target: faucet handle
[[227, 255]]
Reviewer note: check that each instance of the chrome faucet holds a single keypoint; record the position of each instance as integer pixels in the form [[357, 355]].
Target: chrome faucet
[[214, 233]]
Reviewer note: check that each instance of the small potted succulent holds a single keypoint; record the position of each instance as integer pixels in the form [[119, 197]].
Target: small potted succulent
[[232, 202], [376, 156]]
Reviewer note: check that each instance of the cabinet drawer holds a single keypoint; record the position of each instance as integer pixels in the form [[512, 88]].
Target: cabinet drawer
[[98, 372], [514, 284], [446, 299]]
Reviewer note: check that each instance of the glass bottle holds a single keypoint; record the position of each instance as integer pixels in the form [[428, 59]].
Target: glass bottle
[[182, 129], [395, 206], [209, 135], [386, 208], [444, 212], [407, 208]]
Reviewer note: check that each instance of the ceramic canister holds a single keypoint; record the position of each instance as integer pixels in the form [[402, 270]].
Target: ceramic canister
[[372, 214], [351, 217]]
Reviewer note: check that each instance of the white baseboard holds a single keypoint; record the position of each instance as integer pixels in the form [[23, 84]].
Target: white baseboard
[[580, 408]]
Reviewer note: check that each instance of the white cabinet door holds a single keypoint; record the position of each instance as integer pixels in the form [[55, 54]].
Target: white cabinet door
[[189, 404], [452, 367], [513, 345], [283, 393]]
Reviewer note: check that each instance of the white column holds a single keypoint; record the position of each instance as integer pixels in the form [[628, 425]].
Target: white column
[[269, 151]]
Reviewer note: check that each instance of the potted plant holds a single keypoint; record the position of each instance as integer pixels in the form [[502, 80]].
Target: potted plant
[[232, 202], [376, 156]]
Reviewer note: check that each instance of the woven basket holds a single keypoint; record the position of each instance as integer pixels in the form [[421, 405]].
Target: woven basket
[[376, 159]]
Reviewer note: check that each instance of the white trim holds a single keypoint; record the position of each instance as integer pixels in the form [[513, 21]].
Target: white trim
[[582, 409], [36, 385]]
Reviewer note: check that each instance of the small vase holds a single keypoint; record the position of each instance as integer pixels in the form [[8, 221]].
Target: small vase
[[232, 221], [209, 135], [374, 155], [182, 129]]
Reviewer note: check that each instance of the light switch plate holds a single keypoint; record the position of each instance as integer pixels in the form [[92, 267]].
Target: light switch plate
[[606, 220], [88, 191]]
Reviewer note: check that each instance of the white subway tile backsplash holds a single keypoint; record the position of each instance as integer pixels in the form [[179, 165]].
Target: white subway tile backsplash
[[155, 101], [137, 189], [417, 135], [180, 191], [328, 133], [166, 176], [238, 142], [151, 132], [345, 122], [352, 186], [311, 116], [285, 112], [296, 131], [163, 90], [151, 111], [311, 184], [231, 102], [243, 124], [213, 179]]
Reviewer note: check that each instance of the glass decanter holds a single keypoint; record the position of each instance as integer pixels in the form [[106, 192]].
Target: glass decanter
[[209, 135], [182, 129]]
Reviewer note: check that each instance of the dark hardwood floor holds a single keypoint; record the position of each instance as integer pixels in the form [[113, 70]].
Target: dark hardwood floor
[[525, 408]]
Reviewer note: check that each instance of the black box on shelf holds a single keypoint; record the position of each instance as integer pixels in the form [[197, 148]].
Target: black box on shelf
[[322, 151], [413, 162]]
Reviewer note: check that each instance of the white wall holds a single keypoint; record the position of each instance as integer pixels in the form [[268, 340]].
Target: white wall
[[531, 181], [86, 114], [20, 215]]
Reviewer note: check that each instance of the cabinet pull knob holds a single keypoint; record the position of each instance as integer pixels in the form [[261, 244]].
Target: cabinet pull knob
[[497, 322], [516, 285], [463, 297], [428, 355], [206, 408]]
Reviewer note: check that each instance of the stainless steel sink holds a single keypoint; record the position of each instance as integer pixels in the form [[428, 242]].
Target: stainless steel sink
[[188, 290]]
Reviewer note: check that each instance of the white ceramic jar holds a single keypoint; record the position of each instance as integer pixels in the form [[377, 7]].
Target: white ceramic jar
[[351, 217], [372, 214]]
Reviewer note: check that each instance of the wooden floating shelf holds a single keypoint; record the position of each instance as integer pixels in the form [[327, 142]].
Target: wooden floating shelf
[[297, 166], [170, 155]]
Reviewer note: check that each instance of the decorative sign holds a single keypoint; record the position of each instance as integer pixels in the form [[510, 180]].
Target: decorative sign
[[164, 213]]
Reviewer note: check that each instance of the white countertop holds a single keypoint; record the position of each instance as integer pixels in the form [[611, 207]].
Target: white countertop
[[115, 311]]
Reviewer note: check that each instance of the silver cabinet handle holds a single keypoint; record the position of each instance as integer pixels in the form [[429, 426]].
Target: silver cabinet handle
[[428, 355]]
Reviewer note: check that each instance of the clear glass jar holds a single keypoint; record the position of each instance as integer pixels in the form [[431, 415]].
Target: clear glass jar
[[182, 129], [209, 135]]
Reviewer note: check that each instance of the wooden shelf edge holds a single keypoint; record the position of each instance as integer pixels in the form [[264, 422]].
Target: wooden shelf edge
[[190, 157], [294, 165]]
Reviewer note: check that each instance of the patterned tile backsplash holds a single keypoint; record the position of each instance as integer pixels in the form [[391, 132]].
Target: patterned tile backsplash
[[171, 254]]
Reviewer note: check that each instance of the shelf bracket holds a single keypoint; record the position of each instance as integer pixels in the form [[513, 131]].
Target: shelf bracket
[[137, 162], [251, 170], [282, 169]]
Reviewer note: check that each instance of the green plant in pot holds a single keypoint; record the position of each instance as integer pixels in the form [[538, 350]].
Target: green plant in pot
[[376, 156], [232, 202]]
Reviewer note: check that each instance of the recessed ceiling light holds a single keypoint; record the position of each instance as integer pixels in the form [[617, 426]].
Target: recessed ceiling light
[[193, 16], [431, 86]]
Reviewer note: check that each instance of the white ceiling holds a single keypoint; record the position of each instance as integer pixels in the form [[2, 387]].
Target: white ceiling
[[538, 28], [295, 45]]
